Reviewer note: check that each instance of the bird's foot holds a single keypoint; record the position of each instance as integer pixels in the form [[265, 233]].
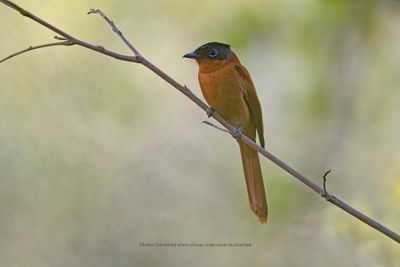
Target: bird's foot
[[237, 134], [210, 111]]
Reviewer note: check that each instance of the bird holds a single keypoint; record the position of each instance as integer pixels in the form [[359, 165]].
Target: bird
[[229, 90]]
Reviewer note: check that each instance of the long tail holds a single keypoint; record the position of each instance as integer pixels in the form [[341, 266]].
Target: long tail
[[254, 182]]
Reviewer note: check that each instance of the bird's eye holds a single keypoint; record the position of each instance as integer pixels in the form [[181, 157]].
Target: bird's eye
[[213, 53]]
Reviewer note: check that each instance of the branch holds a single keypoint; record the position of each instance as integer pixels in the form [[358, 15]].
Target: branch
[[72, 39], [325, 194], [138, 58], [115, 29], [30, 48], [215, 126]]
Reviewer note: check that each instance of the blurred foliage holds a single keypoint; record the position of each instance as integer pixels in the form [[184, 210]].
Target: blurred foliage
[[98, 155]]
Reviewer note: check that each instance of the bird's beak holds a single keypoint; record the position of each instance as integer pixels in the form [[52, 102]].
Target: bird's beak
[[192, 55]]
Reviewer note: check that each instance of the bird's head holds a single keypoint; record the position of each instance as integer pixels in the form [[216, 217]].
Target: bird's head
[[212, 55]]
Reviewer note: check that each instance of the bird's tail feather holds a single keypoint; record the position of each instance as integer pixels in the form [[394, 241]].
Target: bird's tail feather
[[254, 182]]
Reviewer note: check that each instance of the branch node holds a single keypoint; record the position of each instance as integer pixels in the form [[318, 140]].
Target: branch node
[[18, 8], [187, 89], [139, 58], [101, 48]]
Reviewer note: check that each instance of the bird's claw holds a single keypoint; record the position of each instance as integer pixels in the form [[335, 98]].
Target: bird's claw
[[210, 111], [237, 134]]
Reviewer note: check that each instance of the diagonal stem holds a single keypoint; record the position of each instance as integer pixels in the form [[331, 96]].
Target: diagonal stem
[[30, 48], [115, 29]]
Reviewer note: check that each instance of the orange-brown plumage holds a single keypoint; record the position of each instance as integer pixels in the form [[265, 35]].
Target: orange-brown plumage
[[227, 87]]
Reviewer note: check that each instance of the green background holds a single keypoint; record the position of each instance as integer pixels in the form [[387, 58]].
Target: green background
[[98, 155]]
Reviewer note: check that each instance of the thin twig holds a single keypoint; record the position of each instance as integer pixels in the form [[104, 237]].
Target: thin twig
[[59, 38], [115, 29], [325, 194], [183, 89], [30, 48], [215, 126]]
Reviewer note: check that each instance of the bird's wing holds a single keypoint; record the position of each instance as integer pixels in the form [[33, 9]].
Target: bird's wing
[[250, 96]]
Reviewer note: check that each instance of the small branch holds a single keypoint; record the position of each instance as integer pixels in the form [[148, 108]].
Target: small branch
[[215, 126], [115, 29], [59, 38], [30, 48], [325, 194], [138, 58], [69, 37]]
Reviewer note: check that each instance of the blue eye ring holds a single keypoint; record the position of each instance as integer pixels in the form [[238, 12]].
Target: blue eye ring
[[213, 53]]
